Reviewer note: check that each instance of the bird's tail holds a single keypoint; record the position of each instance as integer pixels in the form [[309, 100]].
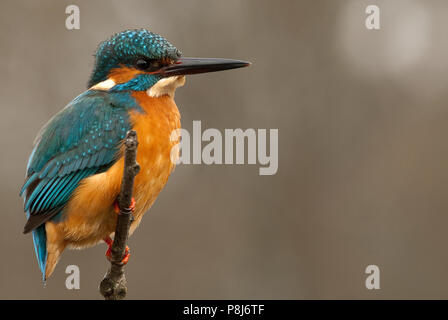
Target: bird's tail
[[40, 247], [48, 248]]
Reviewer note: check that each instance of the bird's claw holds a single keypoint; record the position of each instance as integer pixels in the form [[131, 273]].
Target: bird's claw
[[127, 252], [130, 209]]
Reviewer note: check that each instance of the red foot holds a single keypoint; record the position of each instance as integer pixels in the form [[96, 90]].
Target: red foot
[[131, 208], [127, 252]]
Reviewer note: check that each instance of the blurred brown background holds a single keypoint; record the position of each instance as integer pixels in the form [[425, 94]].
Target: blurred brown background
[[363, 157]]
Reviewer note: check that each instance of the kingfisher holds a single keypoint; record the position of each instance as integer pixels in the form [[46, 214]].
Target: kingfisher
[[74, 172]]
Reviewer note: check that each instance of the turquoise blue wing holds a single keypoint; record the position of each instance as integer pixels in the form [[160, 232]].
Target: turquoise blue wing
[[81, 140]]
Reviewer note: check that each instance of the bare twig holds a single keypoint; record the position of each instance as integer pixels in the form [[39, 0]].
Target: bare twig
[[113, 286]]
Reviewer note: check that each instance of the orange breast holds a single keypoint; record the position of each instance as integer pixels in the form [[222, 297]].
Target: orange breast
[[154, 129], [89, 214]]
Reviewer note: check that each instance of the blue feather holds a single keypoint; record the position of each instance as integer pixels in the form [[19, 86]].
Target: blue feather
[[37, 203], [36, 192], [71, 147], [49, 194], [92, 160], [40, 247], [30, 180], [46, 169], [61, 184]]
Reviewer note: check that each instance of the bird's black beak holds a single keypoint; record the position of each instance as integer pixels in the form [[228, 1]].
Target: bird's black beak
[[185, 66]]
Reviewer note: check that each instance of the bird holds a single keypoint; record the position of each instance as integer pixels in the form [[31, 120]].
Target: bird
[[74, 172]]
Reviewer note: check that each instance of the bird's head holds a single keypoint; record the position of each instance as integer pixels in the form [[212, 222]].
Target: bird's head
[[140, 60]]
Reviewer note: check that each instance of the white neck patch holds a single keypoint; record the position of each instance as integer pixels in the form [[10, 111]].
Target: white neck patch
[[166, 86], [104, 85]]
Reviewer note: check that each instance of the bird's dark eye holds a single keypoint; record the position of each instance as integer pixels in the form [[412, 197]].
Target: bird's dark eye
[[147, 64], [142, 64]]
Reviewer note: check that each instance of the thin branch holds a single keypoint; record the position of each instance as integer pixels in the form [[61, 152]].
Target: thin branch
[[113, 286]]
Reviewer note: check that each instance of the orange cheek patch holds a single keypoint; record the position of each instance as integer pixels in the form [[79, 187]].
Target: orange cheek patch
[[123, 74]]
